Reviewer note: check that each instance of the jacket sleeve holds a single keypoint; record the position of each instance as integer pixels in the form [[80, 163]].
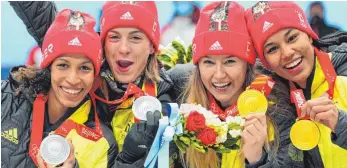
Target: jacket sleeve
[[6, 98], [261, 162], [37, 16], [339, 59], [138, 164], [340, 136]]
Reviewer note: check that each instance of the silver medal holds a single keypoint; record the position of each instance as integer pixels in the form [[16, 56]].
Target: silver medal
[[144, 104], [54, 149]]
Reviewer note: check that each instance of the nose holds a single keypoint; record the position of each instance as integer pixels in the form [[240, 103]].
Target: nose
[[124, 47], [72, 78], [287, 52], [219, 72]]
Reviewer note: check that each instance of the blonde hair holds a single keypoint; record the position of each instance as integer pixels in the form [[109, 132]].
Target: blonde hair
[[195, 92], [152, 69]]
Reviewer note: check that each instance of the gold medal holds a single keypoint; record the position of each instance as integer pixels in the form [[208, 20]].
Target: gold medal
[[251, 101], [305, 134]]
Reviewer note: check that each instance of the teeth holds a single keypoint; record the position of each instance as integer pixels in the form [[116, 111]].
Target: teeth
[[294, 63], [71, 91], [220, 84]]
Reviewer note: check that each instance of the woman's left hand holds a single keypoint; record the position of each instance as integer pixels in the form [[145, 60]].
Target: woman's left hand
[[254, 136]]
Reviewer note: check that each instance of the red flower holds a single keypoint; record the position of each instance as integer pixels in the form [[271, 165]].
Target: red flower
[[195, 121], [207, 136]]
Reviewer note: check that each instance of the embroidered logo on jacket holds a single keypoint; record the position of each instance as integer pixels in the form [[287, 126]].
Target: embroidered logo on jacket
[[11, 135]]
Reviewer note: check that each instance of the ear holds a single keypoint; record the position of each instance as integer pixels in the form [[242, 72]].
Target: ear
[[152, 50]]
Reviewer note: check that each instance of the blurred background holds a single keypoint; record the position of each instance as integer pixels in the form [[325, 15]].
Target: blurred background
[[175, 19]]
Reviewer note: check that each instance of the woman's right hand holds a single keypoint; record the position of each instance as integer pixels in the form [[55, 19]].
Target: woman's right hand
[[69, 162], [140, 138]]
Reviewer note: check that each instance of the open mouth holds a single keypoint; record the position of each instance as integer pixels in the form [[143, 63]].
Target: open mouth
[[221, 86], [294, 63], [71, 91], [124, 63]]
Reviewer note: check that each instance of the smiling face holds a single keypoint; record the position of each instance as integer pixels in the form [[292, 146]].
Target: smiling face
[[72, 76], [223, 77], [127, 51], [290, 54]]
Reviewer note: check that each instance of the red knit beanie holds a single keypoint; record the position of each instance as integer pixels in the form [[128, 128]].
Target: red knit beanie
[[140, 14], [222, 30], [266, 18], [72, 32]]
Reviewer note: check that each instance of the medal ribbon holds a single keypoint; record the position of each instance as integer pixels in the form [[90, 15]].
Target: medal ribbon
[[63, 129], [297, 95], [261, 83], [131, 90]]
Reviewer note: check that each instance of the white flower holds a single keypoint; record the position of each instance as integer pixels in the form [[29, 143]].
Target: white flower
[[213, 122], [221, 138], [242, 122], [235, 120], [185, 109], [235, 133]]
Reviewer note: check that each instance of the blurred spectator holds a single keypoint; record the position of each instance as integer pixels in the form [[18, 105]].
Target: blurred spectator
[[34, 58], [185, 17], [317, 21]]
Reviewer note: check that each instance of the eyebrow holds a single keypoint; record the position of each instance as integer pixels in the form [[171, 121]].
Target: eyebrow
[[87, 61], [288, 32], [285, 35], [132, 32]]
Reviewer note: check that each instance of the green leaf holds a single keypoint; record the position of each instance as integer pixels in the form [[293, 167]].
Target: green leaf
[[234, 126], [181, 146], [189, 54], [203, 150], [179, 47], [180, 51], [234, 147], [196, 145], [185, 140], [230, 142], [167, 67], [164, 57], [225, 150]]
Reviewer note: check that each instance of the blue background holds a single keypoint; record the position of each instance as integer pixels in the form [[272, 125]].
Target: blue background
[[16, 41]]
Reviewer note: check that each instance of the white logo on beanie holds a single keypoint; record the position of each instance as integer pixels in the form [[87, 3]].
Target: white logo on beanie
[[46, 51], [216, 46], [302, 21], [102, 24], [247, 48], [75, 42], [267, 25], [126, 16], [194, 48]]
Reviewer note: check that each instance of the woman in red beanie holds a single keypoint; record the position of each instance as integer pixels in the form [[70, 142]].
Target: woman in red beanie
[[37, 103], [224, 59], [286, 44], [130, 34]]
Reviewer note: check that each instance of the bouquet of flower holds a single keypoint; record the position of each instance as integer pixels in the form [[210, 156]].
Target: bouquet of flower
[[175, 53], [203, 129]]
